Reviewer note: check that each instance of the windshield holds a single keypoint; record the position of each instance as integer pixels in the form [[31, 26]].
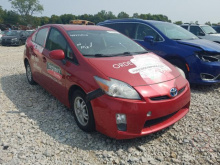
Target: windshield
[[208, 29], [104, 43], [12, 33], [175, 32]]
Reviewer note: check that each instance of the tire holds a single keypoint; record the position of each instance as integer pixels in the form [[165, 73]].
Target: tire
[[82, 111], [29, 74], [180, 65]]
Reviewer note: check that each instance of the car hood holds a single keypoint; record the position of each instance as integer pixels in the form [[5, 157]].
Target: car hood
[[206, 45], [136, 70]]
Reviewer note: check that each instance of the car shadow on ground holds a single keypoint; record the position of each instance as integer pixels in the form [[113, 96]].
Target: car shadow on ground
[[54, 119]]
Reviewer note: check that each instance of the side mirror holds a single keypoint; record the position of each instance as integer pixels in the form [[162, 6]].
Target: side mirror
[[201, 34], [57, 54], [149, 39]]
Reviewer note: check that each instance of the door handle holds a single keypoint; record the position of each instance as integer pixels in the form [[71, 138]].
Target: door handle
[[44, 59]]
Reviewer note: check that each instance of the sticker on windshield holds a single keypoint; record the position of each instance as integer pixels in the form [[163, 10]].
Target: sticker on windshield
[[54, 70], [149, 67]]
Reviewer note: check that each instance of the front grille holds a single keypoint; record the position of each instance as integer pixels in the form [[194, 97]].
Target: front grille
[[152, 122], [181, 90], [166, 97], [160, 98]]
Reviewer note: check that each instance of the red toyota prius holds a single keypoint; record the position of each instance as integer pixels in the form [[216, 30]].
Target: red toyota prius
[[111, 83]]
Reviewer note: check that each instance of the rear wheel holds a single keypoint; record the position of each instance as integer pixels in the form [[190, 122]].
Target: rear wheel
[[82, 111], [29, 74]]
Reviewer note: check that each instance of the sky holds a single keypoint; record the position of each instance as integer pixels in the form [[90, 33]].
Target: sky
[[176, 10]]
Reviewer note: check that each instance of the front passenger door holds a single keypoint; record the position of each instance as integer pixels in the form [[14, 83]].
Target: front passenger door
[[156, 46], [54, 69]]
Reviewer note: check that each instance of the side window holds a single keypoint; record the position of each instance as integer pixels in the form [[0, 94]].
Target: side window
[[56, 41], [127, 29], [41, 36], [144, 30], [185, 27], [34, 37], [196, 30]]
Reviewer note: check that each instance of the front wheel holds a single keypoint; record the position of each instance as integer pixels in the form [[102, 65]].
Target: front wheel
[[82, 111], [181, 66], [29, 74]]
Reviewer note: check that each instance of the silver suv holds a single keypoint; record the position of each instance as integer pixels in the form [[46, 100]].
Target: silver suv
[[203, 31]]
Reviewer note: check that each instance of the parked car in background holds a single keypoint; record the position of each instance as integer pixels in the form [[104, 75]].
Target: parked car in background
[[2, 33], [217, 28], [29, 32], [14, 37], [111, 83], [198, 58], [203, 31]]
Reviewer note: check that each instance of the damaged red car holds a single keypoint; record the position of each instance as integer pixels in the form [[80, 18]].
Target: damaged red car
[[111, 83]]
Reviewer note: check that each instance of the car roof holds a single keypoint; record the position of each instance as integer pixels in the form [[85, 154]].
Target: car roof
[[188, 24], [133, 20], [69, 27]]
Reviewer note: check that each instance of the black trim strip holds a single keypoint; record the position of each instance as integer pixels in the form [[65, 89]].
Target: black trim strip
[[94, 94]]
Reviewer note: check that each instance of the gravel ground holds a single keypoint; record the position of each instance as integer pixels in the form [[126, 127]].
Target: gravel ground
[[35, 128]]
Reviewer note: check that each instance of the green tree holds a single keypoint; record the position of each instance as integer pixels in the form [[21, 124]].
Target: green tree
[[123, 15], [208, 23], [55, 19], [135, 15], [65, 18], [1, 15], [178, 22], [26, 8], [44, 20], [10, 17]]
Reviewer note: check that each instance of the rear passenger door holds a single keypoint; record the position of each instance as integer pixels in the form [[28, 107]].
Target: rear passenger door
[[36, 48]]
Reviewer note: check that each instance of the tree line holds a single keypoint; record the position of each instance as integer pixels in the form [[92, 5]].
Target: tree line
[[25, 9], [13, 18]]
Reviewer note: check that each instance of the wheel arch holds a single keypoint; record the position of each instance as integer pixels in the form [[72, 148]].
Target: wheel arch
[[71, 91], [25, 62]]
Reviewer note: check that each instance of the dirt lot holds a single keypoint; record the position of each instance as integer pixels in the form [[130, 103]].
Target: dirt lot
[[35, 128]]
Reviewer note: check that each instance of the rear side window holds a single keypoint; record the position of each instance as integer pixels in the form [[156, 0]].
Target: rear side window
[[127, 29], [41, 36]]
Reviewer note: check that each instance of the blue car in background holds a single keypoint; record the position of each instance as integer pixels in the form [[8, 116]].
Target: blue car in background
[[198, 58]]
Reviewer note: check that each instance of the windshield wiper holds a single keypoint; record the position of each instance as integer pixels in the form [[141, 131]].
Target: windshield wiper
[[141, 52], [176, 39], [96, 55]]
